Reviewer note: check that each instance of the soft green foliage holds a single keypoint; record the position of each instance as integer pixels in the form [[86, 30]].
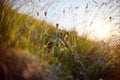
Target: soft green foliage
[[77, 55]]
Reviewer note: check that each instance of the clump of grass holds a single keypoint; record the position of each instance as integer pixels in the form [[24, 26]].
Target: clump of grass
[[73, 57]]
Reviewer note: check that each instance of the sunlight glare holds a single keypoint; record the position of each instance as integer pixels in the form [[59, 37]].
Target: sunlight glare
[[101, 31]]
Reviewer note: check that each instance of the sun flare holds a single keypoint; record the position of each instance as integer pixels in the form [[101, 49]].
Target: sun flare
[[101, 31]]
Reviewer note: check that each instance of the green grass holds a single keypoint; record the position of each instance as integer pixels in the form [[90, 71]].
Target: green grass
[[79, 57]]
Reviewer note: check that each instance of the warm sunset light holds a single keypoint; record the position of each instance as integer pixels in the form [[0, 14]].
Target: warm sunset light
[[100, 30], [59, 39]]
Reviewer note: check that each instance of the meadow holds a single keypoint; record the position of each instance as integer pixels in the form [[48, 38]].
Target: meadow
[[72, 57]]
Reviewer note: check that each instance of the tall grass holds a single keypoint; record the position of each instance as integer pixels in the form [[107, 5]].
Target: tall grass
[[72, 56]]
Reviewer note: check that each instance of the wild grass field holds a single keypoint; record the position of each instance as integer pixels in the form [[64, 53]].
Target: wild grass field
[[72, 57]]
